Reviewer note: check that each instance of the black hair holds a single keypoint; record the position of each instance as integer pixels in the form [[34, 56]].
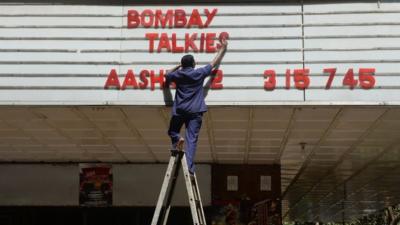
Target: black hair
[[187, 61]]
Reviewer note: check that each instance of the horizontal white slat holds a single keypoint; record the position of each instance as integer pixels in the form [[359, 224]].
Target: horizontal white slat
[[64, 33], [227, 69], [353, 30], [56, 9], [141, 33], [49, 44], [233, 44], [105, 69], [147, 97], [94, 97], [352, 7], [389, 5], [70, 69], [349, 43], [146, 57], [353, 55], [356, 95], [225, 9], [233, 32], [218, 20], [229, 57], [352, 18], [137, 44], [343, 7], [117, 10], [61, 21], [167, 63], [67, 57]]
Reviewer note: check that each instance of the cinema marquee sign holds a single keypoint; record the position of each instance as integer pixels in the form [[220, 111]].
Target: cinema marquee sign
[[206, 42]]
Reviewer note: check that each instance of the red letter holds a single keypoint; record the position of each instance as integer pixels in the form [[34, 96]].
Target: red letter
[[163, 21], [332, 72], [180, 18], [129, 81], [133, 19], [222, 36], [195, 19], [143, 77], [366, 76], [175, 48], [112, 80], [301, 79], [154, 79], [349, 79], [217, 81], [287, 85], [269, 84], [202, 39], [210, 48], [151, 37], [210, 16], [189, 42], [164, 43], [150, 14]]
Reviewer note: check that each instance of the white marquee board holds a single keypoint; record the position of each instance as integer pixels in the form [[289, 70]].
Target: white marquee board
[[63, 54]]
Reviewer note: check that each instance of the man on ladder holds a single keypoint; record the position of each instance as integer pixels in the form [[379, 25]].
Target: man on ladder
[[189, 104], [188, 109]]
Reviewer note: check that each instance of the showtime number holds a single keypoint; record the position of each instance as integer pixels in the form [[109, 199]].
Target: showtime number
[[366, 79]]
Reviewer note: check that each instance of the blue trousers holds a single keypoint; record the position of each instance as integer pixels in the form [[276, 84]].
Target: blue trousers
[[192, 123]]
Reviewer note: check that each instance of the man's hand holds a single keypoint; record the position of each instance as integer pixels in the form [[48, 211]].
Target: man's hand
[[224, 43], [218, 58]]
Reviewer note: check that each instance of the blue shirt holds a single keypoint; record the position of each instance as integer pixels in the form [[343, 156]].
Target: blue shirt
[[189, 96]]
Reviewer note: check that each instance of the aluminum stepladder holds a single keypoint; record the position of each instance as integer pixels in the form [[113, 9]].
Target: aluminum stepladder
[[177, 161]]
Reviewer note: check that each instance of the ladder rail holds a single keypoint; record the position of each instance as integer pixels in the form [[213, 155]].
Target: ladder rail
[[197, 220], [161, 213], [172, 189], [165, 193], [197, 191]]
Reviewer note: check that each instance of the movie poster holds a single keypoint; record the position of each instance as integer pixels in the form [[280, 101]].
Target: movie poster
[[95, 185]]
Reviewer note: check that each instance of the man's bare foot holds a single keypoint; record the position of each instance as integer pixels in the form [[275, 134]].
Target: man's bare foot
[[180, 143]]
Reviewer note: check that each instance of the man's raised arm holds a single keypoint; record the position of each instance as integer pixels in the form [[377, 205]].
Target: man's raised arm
[[166, 90], [218, 58]]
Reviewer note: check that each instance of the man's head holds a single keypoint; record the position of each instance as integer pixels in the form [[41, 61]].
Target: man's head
[[188, 61]]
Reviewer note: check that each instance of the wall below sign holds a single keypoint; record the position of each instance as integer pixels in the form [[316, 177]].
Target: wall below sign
[[58, 185]]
